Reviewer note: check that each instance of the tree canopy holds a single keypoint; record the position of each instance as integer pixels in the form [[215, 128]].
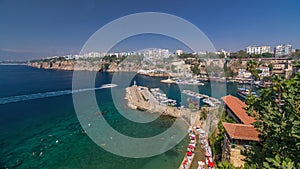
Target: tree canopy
[[277, 114]]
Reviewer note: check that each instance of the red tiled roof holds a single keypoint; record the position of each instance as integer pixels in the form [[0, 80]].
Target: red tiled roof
[[237, 107], [241, 131]]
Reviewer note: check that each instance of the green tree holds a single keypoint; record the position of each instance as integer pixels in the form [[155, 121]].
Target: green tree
[[267, 55], [225, 165], [270, 67], [203, 114], [228, 72], [277, 114], [252, 68], [279, 162], [191, 106], [240, 54], [195, 69]]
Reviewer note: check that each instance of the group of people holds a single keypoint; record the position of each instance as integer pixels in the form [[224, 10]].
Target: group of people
[[191, 148], [208, 153]]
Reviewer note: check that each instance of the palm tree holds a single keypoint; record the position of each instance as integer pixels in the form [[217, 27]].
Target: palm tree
[[278, 86], [251, 67]]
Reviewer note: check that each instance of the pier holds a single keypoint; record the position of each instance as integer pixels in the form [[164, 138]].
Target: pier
[[139, 97], [213, 102]]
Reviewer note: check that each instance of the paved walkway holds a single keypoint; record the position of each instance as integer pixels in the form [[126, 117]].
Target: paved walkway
[[199, 154]]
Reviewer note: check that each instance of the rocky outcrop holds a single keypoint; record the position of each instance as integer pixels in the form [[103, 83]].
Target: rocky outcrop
[[71, 65], [60, 65]]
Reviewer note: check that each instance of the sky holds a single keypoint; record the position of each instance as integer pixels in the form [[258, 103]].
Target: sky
[[33, 29]]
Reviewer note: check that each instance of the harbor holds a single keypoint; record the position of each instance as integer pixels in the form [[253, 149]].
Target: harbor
[[182, 82], [198, 154], [211, 101], [141, 98]]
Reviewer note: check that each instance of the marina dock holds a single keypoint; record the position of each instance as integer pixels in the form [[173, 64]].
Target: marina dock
[[141, 98], [213, 102]]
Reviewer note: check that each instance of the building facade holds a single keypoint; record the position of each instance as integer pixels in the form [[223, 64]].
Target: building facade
[[283, 50], [264, 71], [179, 52], [240, 135], [258, 49]]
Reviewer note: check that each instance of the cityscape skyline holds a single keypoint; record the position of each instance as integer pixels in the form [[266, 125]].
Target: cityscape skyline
[[35, 30]]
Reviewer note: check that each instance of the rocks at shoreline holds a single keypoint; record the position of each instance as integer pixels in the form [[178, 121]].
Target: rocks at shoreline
[[71, 65]]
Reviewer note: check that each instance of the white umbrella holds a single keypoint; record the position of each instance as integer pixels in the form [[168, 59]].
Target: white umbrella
[[201, 163]]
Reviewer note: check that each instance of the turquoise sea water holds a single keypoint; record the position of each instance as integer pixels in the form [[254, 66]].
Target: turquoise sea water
[[30, 128]]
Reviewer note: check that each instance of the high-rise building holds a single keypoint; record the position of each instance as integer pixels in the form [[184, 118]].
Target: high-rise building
[[258, 49], [283, 50]]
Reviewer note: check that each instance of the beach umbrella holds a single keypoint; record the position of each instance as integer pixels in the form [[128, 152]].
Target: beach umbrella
[[185, 161], [201, 163], [192, 135], [207, 154], [191, 146], [211, 164], [189, 153]]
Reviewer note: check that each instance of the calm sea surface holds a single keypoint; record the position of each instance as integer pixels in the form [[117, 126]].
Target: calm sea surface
[[36, 110]]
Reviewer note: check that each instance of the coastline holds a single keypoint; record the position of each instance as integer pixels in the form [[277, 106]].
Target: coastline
[[139, 97]]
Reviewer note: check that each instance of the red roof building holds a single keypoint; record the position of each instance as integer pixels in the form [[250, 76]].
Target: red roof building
[[236, 109], [241, 131], [240, 135]]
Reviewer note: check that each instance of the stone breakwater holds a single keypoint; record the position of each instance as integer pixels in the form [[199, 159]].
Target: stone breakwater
[[141, 98]]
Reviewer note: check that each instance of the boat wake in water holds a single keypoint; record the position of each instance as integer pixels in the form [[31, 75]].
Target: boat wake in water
[[13, 99]]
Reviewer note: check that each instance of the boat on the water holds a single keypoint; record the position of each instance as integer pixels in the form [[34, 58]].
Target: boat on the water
[[190, 82], [108, 86], [162, 98], [169, 81], [209, 102], [193, 94], [243, 92]]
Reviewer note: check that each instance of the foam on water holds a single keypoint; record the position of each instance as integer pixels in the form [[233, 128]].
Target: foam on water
[[13, 99]]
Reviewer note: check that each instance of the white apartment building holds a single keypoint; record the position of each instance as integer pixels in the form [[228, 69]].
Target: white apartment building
[[265, 71], [155, 53], [243, 73], [179, 52], [224, 52], [283, 50], [258, 49]]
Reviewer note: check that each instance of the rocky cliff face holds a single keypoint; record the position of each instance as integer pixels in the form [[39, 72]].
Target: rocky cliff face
[[75, 65], [60, 65]]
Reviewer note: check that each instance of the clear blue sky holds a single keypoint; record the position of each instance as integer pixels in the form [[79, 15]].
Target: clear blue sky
[[36, 28]]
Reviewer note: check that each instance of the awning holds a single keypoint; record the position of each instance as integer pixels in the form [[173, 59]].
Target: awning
[[189, 153], [191, 146]]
